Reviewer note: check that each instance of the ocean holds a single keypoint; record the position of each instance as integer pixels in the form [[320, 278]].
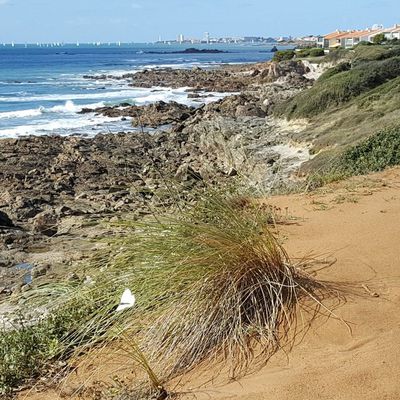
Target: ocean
[[42, 89]]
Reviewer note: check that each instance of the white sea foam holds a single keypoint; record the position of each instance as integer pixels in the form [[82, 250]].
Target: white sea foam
[[128, 93], [138, 96], [59, 126], [68, 108], [63, 119], [20, 114]]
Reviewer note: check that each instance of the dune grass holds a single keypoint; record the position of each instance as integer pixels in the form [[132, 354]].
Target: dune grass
[[245, 293], [212, 283]]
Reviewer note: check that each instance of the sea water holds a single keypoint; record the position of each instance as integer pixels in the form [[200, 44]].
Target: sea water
[[42, 87]]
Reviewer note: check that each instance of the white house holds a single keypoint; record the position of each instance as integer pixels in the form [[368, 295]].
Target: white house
[[392, 33]]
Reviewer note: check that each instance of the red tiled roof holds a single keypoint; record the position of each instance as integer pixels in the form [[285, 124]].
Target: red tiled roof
[[359, 33], [333, 35]]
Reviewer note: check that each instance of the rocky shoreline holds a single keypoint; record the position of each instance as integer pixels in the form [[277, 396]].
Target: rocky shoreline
[[57, 191]]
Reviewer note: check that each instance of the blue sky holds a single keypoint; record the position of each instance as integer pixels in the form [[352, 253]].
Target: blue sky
[[145, 20]]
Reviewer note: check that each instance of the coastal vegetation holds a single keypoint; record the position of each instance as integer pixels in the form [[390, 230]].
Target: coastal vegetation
[[339, 86], [310, 52], [286, 55], [213, 283], [373, 154]]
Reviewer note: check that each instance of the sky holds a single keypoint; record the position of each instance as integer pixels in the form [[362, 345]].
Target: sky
[[145, 20]]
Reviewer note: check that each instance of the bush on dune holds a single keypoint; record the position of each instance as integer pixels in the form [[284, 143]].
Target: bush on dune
[[310, 52], [374, 53], [344, 66], [283, 55], [77, 319], [376, 153]]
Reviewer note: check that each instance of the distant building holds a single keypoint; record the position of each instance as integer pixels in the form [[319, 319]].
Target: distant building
[[351, 38], [306, 41], [392, 33]]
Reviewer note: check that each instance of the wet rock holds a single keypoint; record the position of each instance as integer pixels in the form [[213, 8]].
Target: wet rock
[[152, 115]]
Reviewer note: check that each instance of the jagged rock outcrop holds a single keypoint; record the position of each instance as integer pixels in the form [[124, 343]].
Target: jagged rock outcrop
[[152, 115]]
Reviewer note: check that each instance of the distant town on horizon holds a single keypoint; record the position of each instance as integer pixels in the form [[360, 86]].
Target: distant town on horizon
[[339, 38]]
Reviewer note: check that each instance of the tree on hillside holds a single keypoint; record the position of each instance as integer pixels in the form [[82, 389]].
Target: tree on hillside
[[379, 38]]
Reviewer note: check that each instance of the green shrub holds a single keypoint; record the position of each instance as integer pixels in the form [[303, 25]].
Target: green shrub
[[379, 38], [337, 55], [316, 52], [310, 52], [29, 350], [363, 43], [374, 53], [373, 154], [24, 354], [303, 52], [283, 55]]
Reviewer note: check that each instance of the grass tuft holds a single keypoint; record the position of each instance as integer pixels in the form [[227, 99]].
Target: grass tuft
[[241, 291]]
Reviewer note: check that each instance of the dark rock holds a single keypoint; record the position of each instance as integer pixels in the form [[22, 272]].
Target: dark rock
[[189, 51], [5, 220]]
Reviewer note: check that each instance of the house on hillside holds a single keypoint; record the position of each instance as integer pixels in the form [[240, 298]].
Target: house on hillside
[[352, 39], [349, 39], [330, 41], [392, 33]]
